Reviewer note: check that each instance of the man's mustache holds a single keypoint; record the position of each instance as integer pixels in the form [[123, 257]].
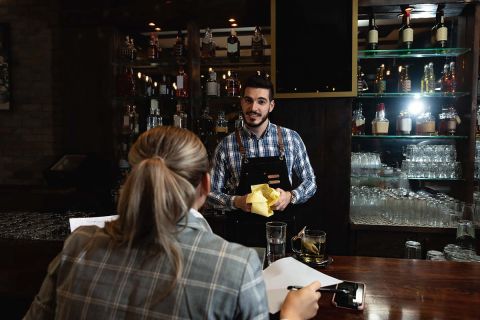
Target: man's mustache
[[253, 113]]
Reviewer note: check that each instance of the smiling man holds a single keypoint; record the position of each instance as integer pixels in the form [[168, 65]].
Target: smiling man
[[260, 152]]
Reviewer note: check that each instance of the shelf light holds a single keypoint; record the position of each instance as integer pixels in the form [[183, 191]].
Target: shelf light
[[151, 24], [234, 25], [139, 75], [416, 106], [158, 29], [231, 20]]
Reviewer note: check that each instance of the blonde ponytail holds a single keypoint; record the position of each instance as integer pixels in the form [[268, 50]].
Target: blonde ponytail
[[168, 164]]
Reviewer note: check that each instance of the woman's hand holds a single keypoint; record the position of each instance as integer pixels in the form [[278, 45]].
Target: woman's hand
[[301, 304]]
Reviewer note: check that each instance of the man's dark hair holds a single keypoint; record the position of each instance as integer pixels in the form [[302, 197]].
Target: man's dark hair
[[259, 81]]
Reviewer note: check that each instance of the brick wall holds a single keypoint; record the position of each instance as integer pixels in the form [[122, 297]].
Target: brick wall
[[29, 133]]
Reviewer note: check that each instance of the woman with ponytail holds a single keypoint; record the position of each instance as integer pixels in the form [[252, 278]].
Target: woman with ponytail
[[160, 259]]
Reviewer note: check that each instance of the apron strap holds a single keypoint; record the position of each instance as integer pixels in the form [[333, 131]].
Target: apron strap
[[281, 146], [243, 153]]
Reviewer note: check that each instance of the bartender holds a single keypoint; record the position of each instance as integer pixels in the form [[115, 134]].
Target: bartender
[[259, 153]]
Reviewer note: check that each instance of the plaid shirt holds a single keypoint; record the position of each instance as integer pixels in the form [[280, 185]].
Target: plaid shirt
[[227, 163], [93, 278]]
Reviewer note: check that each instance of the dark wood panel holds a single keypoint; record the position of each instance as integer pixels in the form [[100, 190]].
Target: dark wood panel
[[324, 125]]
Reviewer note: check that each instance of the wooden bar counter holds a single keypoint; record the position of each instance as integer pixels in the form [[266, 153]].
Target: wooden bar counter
[[407, 289]]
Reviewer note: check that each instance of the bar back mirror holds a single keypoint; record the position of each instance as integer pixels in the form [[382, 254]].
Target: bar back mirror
[[314, 48]]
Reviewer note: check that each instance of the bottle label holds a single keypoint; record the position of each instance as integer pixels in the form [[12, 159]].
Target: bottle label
[[232, 47], [406, 125], [452, 124], [221, 129], [359, 122], [212, 88], [179, 82], [407, 35], [373, 36], [126, 121], [163, 89], [406, 85], [442, 34]]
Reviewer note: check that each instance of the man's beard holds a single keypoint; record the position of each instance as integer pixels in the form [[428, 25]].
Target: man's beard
[[255, 125]]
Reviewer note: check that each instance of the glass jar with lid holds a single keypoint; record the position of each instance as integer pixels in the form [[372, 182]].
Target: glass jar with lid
[[453, 120], [426, 123], [404, 123], [443, 122], [358, 121], [380, 123]]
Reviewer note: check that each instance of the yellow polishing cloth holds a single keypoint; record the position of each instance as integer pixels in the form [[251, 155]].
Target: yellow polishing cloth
[[261, 198]]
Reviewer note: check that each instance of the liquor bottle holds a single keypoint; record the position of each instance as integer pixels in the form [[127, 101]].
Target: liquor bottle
[[445, 80], [213, 88], [424, 80], [258, 44], [232, 84], [443, 122], [163, 88], [221, 126], [134, 122], [404, 123], [126, 126], [441, 32], [380, 122], [361, 83], [406, 31], [372, 38], [239, 121], [154, 119], [205, 126], [358, 121], [453, 120], [431, 78], [425, 123], [126, 86], [182, 83], [179, 48], [405, 82], [380, 82], [452, 78], [132, 51], [391, 83], [233, 47], [208, 45], [124, 49], [180, 117], [152, 48], [148, 86]]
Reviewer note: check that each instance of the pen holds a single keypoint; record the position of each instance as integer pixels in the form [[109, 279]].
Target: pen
[[321, 289]]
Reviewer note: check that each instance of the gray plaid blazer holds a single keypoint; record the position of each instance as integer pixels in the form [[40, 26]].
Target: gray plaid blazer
[[92, 278]]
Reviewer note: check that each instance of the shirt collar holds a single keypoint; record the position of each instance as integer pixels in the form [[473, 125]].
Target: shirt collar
[[195, 220], [271, 129]]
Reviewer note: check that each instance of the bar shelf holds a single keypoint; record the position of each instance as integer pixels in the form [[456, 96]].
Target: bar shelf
[[450, 95], [412, 137], [412, 53]]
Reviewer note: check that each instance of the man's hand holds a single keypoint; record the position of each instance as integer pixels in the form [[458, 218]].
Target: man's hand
[[283, 201], [301, 304], [240, 202]]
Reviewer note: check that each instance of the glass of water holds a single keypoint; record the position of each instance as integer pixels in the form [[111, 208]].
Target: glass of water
[[276, 233]]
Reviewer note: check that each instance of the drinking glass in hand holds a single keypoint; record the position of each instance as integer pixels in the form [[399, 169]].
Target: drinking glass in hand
[[276, 233]]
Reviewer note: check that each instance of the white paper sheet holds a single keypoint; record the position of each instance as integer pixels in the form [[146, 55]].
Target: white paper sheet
[[92, 221], [290, 272]]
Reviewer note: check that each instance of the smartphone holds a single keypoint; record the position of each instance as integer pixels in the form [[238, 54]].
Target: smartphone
[[354, 299]]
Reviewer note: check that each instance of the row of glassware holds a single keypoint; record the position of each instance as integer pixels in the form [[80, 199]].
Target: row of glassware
[[405, 207]]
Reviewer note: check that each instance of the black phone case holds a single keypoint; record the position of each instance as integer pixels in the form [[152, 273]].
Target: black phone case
[[346, 300]]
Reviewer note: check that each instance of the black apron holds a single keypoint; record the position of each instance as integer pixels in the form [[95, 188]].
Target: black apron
[[249, 228]]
